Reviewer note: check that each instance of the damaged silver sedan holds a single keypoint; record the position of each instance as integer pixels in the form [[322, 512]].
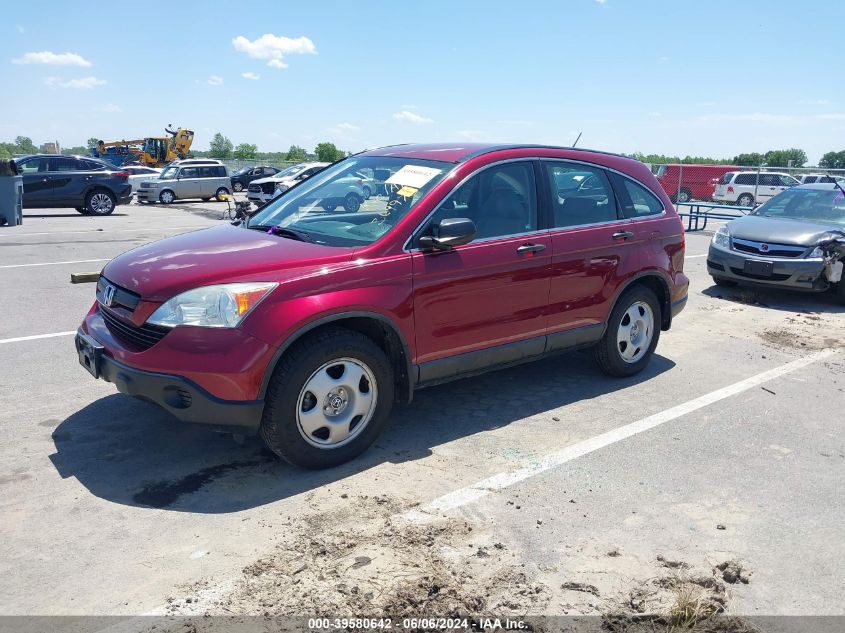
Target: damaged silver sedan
[[796, 240]]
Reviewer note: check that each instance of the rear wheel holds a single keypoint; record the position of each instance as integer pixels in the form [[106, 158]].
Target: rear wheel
[[221, 193], [352, 202], [632, 333], [100, 202], [329, 206], [237, 186], [725, 283], [328, 399], [745, 200], [683, 196], [367, 192]]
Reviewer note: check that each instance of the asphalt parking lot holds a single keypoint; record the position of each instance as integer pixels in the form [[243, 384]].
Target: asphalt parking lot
[[546, 487]]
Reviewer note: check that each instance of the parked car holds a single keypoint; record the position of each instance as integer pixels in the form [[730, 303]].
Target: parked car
[[91, 186], [806, 179], [778, 244], [242, 177], [139, 173], [747, 188], [305, 326], [264, 190], [696, 181], [183, 179]]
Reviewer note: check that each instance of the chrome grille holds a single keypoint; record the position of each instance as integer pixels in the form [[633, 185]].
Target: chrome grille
[[766, 249]]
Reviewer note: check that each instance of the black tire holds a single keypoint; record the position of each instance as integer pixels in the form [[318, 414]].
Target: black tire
[[82, 210], [279, 427], [745, 200], [607, 351], [167, 197], [367, 192], [725, 283], [682, 197], [100, 202], [329, 206], [222, 191], [237, 186], [352, 202]]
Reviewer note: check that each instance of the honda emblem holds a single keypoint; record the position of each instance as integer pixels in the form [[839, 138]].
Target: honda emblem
[[108, 295], [764, 248]]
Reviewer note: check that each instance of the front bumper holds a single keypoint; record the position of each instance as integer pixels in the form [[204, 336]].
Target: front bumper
[[181, 397], [787, 272], [147, 195]]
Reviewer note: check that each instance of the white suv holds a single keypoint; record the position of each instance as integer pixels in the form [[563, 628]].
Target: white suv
[[811, 178], [744, 188], [262, 190]]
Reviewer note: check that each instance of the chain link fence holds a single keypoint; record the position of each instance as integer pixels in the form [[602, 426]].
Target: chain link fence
[[742, 185], [236, 164]]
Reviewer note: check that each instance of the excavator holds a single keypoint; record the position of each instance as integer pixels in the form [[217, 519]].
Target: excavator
[[153, 151]]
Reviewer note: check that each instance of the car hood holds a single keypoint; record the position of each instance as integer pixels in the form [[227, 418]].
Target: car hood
[[162, 269], [285, 179], [777, 231]]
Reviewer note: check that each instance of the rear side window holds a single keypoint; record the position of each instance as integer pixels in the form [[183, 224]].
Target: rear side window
[[640, 201], [809, 179], [66, 164], [93, 166], [580, 195], [746, 179], [726, 179], [209, 172]]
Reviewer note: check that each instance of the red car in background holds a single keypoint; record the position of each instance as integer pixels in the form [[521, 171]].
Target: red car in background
[[697, 182], [304, 324]]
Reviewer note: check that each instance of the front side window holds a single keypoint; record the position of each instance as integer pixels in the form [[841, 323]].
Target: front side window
[[189, 172], [169, 173], [580, 195], [330, 208], [501, 200], [787, 181], [65, 164], [33, 166]]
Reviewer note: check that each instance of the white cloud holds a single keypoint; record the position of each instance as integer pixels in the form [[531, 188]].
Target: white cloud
[[663, 58], [53, 59], [109, 107], [86, 83], [250, 75], [273, 48], [411, 117], [342, 129], [214, 80]]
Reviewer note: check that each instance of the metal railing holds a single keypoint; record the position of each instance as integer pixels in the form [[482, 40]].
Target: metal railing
[[700, 212]]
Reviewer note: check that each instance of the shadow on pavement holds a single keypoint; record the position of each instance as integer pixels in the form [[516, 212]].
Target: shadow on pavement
[[133, 453], [777, 299]]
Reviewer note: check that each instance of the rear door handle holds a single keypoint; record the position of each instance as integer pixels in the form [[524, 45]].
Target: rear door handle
[[623, 235], [531, 248]]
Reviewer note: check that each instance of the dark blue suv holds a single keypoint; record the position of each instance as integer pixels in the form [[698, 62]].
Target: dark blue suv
[[91, 186]]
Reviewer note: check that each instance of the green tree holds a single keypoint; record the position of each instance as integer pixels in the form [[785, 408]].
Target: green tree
[[752, 159], [246, 150], [328, 153], [92, 142], [6, 150], [25, 145], [833, 160], [221, 147], [296, 153], [782, 157], [75, 151]]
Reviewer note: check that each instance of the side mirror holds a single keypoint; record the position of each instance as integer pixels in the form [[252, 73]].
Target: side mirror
[[449, 233]]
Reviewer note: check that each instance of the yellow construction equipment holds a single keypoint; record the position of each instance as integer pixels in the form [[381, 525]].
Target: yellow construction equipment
[[155, 151]]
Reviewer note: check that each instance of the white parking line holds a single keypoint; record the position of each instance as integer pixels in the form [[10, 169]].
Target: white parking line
[[35, 337], [139, 229], [694, 256], [481, 489], [75, 261]]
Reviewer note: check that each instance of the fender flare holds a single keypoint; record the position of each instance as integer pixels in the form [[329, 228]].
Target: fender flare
[[666, 306], [332, 318]]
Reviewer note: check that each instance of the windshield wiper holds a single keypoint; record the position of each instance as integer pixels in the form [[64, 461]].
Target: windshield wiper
[[283, 231]]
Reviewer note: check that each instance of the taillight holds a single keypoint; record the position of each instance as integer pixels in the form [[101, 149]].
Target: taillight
[[122, 174], [730, 189]]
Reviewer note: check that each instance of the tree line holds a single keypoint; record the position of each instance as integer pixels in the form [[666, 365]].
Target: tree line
[[772, 158], [222, 147]]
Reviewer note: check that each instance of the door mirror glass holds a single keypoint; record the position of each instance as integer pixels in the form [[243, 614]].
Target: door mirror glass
[[449, 233]]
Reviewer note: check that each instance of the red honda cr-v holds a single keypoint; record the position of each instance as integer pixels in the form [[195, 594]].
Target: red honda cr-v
[[306, 323]]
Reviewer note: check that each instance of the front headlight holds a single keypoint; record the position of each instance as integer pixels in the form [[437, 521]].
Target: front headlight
[[722, 237], [225, 305], [817, 253]]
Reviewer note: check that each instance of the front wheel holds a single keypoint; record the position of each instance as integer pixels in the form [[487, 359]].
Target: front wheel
[[328, 399], [100, 202], [237, 186], [166, 197], [632, 333], [221, 194], [352, 203]]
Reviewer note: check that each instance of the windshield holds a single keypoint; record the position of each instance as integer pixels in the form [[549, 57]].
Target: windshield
[[289, 171], [169, 173], [815, 205], [332, 208]]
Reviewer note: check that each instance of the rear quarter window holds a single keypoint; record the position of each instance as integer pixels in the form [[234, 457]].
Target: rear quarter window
[[640, 201], [726, 178], [745, 179]]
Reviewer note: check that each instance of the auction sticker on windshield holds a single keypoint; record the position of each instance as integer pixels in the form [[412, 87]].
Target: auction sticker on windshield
[[413, 176]]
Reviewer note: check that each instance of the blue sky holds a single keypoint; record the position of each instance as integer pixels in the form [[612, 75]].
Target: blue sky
[[703, 78]]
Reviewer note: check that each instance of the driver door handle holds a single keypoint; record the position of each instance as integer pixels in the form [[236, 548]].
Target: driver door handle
[[531, 248], [623, 235]]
